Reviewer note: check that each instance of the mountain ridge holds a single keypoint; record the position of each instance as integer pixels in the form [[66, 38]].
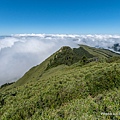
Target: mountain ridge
[[83, 89]]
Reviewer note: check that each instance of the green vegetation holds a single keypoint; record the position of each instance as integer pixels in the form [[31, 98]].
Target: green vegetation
[[85, 88], [68, 56]]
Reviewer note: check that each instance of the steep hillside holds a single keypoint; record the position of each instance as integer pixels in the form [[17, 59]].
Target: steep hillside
[[66, 56], [66, 91]]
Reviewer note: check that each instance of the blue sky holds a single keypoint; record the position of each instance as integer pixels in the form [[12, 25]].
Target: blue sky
[[60, 16]]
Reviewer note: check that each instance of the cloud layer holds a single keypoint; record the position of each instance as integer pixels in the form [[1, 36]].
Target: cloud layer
[[18, 53]]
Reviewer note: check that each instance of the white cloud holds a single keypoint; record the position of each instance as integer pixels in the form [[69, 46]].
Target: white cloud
[[18, 53]]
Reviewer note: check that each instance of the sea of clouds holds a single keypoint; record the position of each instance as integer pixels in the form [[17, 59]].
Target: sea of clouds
[[20, 52]]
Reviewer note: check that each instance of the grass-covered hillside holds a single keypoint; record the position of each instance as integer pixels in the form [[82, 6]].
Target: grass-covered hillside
[[72, 84]]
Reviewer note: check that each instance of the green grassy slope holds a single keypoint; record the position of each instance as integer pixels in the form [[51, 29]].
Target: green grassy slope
[[98, 52], [66, 56], [65, 92]]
